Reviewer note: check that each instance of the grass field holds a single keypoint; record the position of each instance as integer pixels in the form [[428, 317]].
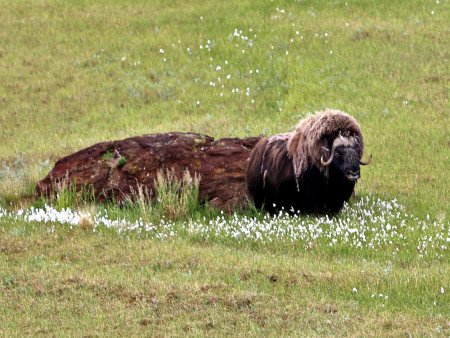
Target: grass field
[[73, 73]]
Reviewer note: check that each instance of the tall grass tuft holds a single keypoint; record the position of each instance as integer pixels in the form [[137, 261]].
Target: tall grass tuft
[[176, 199], [18, 180], [173, 199], [69, 196]]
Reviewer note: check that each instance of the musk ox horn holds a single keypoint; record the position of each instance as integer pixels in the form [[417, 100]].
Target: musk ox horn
[[337, 142], [366, 163], [327, 163]]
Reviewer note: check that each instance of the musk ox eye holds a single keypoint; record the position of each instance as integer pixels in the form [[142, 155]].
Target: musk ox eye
[[337, 154]]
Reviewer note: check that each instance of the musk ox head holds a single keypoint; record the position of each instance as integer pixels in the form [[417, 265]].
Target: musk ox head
[[344, 157], [327, 140]]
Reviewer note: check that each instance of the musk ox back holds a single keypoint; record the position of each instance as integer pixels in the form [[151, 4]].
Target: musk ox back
[[312, 169]]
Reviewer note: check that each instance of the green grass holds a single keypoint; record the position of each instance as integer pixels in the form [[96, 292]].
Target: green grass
[[74, 282], [73, 73]]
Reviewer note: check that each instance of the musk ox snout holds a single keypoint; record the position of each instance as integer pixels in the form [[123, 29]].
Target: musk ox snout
[[346, 161], [352, 175]]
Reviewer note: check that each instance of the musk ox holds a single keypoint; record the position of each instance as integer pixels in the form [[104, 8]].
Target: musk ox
[[313, 169]]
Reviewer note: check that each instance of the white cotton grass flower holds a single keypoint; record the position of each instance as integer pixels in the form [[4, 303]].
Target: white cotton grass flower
[[355, 290], [370, 224]]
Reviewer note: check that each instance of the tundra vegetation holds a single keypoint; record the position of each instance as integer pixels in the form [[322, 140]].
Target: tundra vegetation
[[74, 73]]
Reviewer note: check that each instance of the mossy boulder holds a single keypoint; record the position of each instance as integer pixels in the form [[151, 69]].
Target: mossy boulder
[[115, 170]]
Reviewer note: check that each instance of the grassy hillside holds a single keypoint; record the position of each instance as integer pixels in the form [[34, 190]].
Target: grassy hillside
[[73, 73], [81, 72]]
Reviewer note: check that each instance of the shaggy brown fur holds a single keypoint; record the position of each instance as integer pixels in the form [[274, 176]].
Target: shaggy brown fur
[[311, 139], [295, 171]]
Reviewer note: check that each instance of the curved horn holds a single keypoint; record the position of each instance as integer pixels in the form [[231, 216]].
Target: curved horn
[[337, 142], [333, 148], [327, 163], [366, 163]]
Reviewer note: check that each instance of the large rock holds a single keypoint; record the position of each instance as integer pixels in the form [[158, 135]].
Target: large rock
[[116, 169]]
